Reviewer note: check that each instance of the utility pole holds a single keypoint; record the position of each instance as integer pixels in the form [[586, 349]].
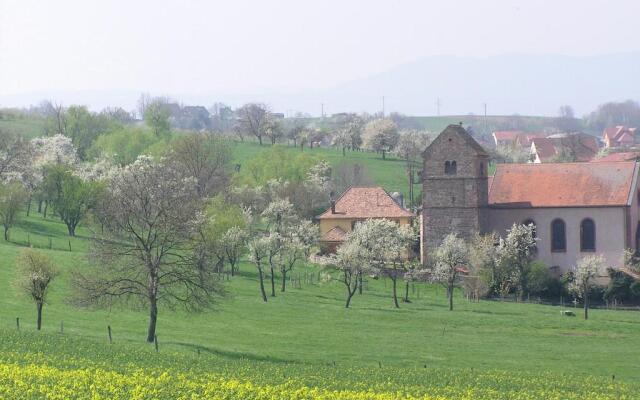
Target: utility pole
[[485, 119]]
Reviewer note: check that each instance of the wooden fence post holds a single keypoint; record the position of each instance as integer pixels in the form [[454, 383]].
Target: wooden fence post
[[109, 331], [69, 244], [18, 323], [155, 341]]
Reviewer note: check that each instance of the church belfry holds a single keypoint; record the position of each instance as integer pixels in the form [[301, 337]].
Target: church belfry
[[455, 188]]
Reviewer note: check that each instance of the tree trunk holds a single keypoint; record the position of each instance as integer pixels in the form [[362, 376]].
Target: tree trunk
[[394, 279], [406, 292], [72, 230], [344, 153], [46, 207], [586, 306], [383, 154], [284, 281], [359, 284], [233, 268], [39, 206], [39, 307], [153, 319], [29, 206], [450, 295], [260, 140], [273, 283], [264, 294], [6, 233], [350, 291]]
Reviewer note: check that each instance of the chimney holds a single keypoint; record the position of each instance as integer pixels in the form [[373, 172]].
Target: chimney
[[333, 202]]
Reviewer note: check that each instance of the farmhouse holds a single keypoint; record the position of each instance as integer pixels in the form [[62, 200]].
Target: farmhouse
[[354, 205], [578, 208], [574, 146], [619, 136]]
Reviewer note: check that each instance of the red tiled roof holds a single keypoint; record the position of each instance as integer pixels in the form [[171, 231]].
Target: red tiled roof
[[623, 156], [527, 138], [335, 234], [507, 135], [619, 134], [366, 202], [544, 148], [562, 185], [582, 146]]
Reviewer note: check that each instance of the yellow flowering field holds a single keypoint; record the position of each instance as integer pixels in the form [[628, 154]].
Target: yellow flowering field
[[57, 367]]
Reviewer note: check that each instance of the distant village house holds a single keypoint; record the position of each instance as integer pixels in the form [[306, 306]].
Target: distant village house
[[358, 204]]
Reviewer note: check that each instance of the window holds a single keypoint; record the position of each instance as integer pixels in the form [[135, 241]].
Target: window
[[558, 235], [450, 167], [587, 235], [481, 169]]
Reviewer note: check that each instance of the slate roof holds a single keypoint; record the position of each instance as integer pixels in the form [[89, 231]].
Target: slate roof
[[562, 185], [366, 202]]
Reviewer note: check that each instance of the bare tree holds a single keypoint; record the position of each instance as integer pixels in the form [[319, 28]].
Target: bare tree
[[250, 119], [36, 272], [205, 157], [148, 253]]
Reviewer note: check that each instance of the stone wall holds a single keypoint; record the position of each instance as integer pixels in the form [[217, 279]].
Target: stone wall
[[453, 202]]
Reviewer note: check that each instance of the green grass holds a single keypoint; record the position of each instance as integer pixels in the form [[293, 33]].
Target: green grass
[[27, 127], [389, 173], [311, 326]]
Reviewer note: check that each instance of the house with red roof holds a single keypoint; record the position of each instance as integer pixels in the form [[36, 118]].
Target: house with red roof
[[619, 136], [577, 208], [564, 147], [515, 138], [357, 204]]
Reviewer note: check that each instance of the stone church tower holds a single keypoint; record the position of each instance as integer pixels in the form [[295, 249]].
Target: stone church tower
[[455, 188]]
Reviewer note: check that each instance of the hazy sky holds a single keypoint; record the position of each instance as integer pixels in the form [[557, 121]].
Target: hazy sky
[[235, 46]]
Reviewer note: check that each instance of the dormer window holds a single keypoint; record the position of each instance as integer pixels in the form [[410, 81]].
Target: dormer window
[[450, 168]]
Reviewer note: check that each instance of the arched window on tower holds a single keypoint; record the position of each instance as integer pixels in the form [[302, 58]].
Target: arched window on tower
[[450, 168], [587, 235], [558, 236]]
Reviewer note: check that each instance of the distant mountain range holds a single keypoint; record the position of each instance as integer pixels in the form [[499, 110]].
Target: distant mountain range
[[508, 84]]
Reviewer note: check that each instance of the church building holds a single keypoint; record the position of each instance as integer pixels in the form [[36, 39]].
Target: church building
[[577, 208]]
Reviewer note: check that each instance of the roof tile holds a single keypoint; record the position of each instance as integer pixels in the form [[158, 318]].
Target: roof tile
[[366, 202], [562, 185]]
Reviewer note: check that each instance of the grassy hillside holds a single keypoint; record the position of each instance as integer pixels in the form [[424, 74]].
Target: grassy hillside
[[28, 127], [389, 173], [310, 325], [492, 122]]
